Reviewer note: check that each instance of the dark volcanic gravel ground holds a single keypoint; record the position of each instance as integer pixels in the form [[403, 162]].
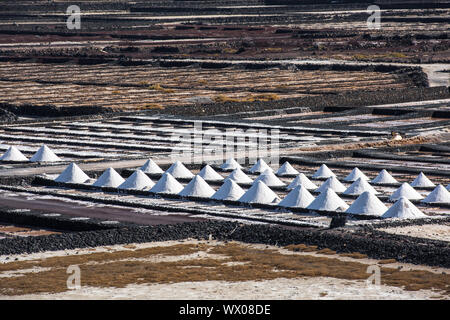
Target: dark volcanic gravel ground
[[375, 244]]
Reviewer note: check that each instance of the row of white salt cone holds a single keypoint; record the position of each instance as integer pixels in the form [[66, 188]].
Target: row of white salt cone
[[43, 154], [269, 177], [367, 203]]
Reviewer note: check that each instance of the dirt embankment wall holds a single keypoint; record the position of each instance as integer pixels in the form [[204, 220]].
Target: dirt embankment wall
[[350, 99]]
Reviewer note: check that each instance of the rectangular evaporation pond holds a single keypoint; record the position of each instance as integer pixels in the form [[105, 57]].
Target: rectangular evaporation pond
[[398, 163], [345, 118], [430, 210], [426, 154], [286, 115], [12, 230], [396, 123]]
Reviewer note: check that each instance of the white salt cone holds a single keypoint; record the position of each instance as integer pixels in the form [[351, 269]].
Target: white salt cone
[[229, 190], [44, 154], [197, 187], [323, 172], [259, 193], [355, 175], [109, 178], [438, 195], [383, 178], [259, 167], [72, 174], [150, 166], [178, 170], [286, 170], [167, 184], [13, 154], [358, 187], [209, 174], [328, 200], [230, 165], [367, 204], [299, 197], [403, 209], [332, 183], [239, 176], [422, 181], [302, 180], [270, 179], [406, 191], [137, 181]]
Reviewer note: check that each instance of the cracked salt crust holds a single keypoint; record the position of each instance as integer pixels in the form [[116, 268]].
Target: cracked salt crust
[[277, 289]]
